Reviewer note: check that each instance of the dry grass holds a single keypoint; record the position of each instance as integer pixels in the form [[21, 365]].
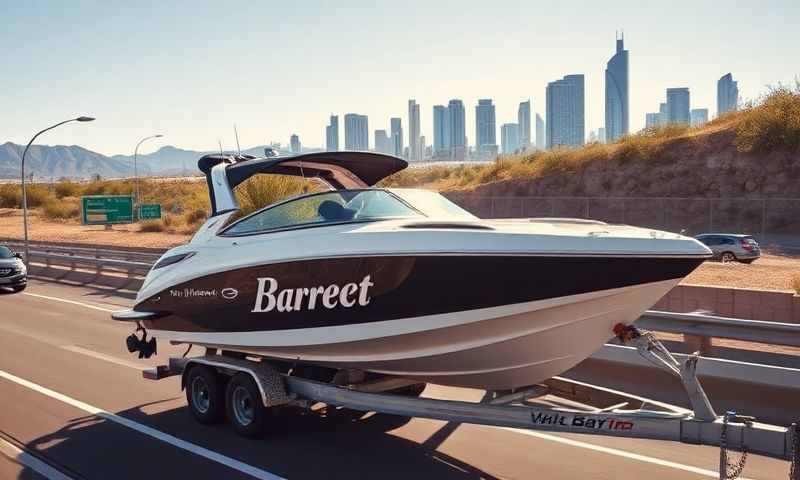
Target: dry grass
[[796, 283], [63, 209], [263, 190], [773, 123]]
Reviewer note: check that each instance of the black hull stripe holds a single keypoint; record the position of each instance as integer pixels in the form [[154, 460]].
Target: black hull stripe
[[403, 287]]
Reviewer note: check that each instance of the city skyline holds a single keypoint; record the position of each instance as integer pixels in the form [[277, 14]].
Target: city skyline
[[139, 69]]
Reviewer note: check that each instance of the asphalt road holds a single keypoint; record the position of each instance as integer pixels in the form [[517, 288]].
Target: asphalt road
[[72, 402]]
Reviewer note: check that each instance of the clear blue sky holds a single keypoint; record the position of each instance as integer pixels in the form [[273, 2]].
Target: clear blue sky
[[191, 69]]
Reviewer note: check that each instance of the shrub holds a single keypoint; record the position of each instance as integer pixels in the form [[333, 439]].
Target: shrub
[[263, 190], [61, 209], [772, 124], [196, 216], [38, 195], [796, 283], [10, 196], [151, 226], [67, 189]]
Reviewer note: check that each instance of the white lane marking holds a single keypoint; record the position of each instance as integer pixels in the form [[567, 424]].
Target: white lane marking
[[26, 459], [152, 432], [104, 357], [619, 453], [73, 302]]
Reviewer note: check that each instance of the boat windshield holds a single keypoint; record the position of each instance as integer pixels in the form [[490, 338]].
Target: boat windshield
[[325, 208]]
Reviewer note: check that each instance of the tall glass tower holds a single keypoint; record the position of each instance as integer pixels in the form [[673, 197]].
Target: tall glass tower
[[617, 106]]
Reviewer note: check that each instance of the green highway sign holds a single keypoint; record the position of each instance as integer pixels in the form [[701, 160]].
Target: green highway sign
[[106, 209], [149, 211]]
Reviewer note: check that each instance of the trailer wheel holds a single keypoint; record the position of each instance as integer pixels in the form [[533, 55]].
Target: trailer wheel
[[244, 406], [205, 395]]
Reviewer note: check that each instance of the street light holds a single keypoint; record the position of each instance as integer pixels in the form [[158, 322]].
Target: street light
[[24, 192], [135, 171]]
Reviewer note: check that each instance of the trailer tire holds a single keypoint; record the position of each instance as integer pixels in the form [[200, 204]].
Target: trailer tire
[[205, 394], [244, 406]]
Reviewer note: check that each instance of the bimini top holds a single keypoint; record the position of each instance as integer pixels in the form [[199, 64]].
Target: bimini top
[[340, 170]]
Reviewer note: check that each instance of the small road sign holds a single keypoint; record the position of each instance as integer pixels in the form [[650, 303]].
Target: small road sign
[[149, 211], [106, 209]]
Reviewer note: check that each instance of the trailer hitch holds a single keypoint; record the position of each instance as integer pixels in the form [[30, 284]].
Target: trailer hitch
[[145, 347]]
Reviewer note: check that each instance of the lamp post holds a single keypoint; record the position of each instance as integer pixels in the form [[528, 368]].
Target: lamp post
[[136, 172], [24, 192]]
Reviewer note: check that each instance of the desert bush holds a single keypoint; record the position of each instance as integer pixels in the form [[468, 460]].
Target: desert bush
[[773, 123], [263, 190], [67, 189], [64, 209], [151, 226], [38, 195], [195, 216], [10, 196]]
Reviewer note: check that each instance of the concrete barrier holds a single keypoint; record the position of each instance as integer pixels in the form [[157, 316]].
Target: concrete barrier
[[763, 305]]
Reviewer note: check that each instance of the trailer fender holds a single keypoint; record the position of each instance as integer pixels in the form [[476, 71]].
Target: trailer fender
[[269, 381]]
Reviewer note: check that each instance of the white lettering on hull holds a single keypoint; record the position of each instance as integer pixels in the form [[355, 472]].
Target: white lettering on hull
[[296, 299]]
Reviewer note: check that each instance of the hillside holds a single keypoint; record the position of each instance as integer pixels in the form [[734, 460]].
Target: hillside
[[753, 153]]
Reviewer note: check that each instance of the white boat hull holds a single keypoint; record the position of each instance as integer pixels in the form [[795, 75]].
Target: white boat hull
[[494, 348]]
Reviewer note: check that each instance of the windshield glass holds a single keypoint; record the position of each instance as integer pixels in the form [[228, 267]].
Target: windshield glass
[[328, 207], [6, 252], [433, 204]]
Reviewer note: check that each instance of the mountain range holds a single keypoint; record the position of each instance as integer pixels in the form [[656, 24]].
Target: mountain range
[[75, 162]]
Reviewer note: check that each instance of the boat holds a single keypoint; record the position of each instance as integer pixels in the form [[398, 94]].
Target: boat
[[400, 282]]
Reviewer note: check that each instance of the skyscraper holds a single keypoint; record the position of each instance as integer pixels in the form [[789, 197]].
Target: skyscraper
[[294, 143], [663, 114], [601, 135], [485, 127], [356, 132], [652, 120], [565, 112], [414, 152], [727, 94], [698, 117], [617, 105], [332, 134], [397, 136], [541, 141], [441, 131], [678, 105], [510, 138], [382, 142], [458, 132], [524, 123]]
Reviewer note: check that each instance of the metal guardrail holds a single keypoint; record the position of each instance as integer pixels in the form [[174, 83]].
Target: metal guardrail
[[708, 326], [99, 259], [698, 326]]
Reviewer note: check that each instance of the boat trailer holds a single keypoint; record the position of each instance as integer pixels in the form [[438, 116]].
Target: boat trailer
[[648, 420]]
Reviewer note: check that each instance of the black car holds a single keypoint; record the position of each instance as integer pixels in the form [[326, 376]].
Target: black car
[[13, 273]]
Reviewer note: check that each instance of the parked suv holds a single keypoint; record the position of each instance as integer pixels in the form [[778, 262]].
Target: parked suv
[[728, 247], [13, 273]]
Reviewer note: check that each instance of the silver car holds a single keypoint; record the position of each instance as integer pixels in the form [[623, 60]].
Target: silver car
[[731, 247], [13, 273]]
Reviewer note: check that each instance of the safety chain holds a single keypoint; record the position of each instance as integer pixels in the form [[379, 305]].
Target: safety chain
[[794, 467], [728, 470]]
